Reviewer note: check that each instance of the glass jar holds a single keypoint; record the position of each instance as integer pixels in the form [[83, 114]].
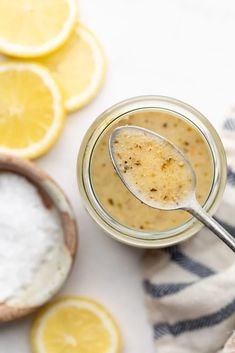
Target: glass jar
[[149, 239]]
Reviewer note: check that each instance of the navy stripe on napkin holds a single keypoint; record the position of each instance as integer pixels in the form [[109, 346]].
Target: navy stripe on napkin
[[229, 124], [206, 321], [188, 263], [228, 227], [164, 289], [231, 177]]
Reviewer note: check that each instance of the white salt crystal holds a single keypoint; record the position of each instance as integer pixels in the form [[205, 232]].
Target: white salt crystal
[[28, 233]]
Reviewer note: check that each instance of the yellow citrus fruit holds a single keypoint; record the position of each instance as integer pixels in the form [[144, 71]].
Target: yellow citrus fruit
[[79, 66], [75, 325], [30, 28], [31, 109]]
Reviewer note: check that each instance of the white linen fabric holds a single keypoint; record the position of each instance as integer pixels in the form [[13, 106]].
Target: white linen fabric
[[190, 288]]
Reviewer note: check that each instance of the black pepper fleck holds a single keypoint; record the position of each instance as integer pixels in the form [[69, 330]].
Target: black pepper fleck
[[111, 202], [137, 163]]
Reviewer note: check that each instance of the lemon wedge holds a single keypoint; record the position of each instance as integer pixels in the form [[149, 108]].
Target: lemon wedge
[[75, 325], [79, 66], [30, 28], [31, 110]]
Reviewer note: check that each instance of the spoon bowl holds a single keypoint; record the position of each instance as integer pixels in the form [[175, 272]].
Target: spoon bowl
[[164, 144]]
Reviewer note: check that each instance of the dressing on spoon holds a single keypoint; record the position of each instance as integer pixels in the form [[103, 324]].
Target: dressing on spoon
[[158, 174]]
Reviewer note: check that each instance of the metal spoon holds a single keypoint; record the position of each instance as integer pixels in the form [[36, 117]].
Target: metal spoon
[[189, 204]]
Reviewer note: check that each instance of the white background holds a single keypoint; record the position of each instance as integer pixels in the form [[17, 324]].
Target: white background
[[180, 48]]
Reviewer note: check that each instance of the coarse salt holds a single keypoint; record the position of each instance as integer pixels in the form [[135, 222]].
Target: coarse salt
[[28, 233]]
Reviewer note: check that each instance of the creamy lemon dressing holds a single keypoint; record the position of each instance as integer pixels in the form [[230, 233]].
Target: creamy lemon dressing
[[119, 202], [152, 168]]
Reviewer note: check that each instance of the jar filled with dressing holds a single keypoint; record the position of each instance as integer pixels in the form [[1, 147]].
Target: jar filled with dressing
[[113, 206]]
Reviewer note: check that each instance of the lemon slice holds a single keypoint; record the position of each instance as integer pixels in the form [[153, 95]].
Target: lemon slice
[[30, 28], [31, 110], [79, 66], [75, 325]]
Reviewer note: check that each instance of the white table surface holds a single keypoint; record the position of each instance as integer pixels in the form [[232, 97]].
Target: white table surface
[[180, 48]]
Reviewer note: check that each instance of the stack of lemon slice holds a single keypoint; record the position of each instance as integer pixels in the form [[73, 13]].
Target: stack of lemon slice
[[51, 64]]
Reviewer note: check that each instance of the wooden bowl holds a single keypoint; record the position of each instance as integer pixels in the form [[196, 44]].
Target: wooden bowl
[[52, 196]]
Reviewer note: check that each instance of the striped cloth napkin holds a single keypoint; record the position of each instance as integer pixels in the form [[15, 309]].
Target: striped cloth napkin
[[190, 288]]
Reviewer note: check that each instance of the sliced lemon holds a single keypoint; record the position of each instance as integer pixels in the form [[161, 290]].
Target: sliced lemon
[[75, 325], [30, 28], [31, 109], [79, 66]]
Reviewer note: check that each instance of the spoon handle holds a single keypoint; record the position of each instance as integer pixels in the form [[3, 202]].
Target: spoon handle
[[197, 211]]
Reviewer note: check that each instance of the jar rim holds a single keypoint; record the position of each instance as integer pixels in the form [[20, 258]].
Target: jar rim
[[116, 113]]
